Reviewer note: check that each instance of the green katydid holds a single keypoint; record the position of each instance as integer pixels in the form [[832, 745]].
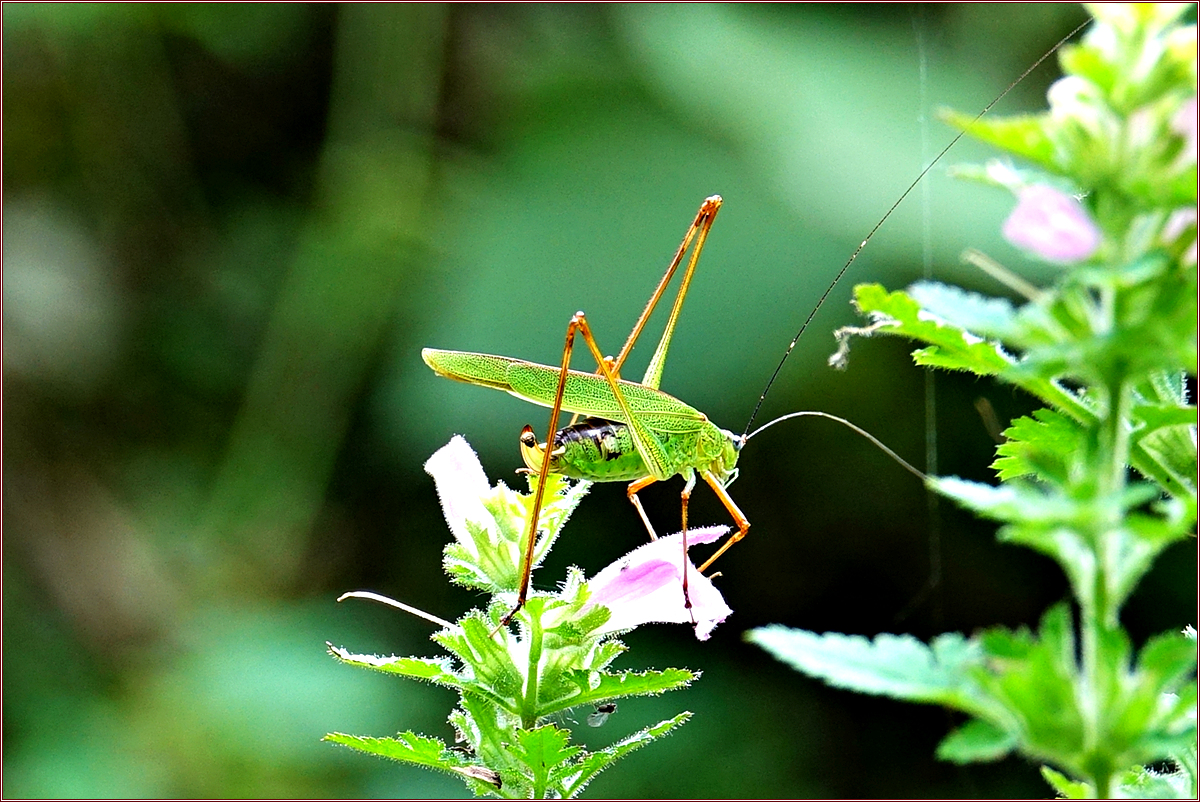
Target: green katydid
[[634, 432]]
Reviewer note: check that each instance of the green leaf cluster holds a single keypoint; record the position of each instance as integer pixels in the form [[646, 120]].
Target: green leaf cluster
[[1021, 688], [1107, 349], [489, 559], [515, 686]]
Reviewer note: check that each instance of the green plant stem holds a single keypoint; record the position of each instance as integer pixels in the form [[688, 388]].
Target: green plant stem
[[530, 706], [1098, 615]]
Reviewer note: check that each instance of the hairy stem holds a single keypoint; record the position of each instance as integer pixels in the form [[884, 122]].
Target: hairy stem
[[530, 706]]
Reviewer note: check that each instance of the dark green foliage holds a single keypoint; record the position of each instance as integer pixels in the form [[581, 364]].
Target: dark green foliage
[[1106, 347]]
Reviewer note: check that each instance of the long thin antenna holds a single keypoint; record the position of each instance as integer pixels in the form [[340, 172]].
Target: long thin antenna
[[875, 440], [884, 219]]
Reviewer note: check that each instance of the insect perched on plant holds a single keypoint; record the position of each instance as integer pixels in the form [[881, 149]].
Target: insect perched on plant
[[600, 715], [633, 431]]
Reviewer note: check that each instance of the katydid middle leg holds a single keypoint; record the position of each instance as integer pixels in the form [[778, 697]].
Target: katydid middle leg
[[632, 492]]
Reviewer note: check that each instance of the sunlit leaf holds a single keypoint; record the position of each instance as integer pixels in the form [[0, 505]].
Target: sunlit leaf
[[976, 741], [892, 665]]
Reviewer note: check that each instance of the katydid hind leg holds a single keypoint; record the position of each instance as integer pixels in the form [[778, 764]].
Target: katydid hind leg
[[700, 225], [699, 230]]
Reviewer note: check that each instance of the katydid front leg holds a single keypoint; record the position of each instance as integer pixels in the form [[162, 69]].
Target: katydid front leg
[[646, 443]]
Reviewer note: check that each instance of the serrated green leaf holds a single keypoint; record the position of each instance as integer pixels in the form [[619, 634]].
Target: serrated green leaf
[[434, 670], [976, 741], [486, 730], [1027, 503], [1021, 135], [407, 747], [1167, 432], [1002, 643], [951, 348], [1131, 550], [591, 688], [1044, 445], [462, 568], [543, 750], [1147, 727], [494, 676], [430, 753], [1154, 416], [1164, 664], [970, 311], [899, 666], [1066, 787], [1009, 502], [595, 762], [1029, 685]]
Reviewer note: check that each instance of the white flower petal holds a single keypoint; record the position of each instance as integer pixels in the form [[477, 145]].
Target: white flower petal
[[461, 483]]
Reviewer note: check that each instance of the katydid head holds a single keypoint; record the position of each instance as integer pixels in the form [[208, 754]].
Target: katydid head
[[725, 466]]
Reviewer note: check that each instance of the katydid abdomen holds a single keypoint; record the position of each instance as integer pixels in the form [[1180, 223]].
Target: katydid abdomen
[[594, 449], [601, 450]]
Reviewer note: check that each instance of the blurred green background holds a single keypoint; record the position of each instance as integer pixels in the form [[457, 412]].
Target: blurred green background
[[230, 229]]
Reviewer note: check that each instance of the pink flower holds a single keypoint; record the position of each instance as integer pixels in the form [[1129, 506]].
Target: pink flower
[[1052, 225], [1184, 124], [1181, 222], [646, 586]]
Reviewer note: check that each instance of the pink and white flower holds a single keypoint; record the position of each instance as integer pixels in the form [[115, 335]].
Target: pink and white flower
[[1051, 224], [1184, 124], [646, 586]]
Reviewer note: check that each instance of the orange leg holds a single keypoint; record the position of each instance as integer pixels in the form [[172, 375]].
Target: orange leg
[[703, 222], [743, 525], [578, 324], [642, 484], [700, 225], [632, 491], [684, 497]]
